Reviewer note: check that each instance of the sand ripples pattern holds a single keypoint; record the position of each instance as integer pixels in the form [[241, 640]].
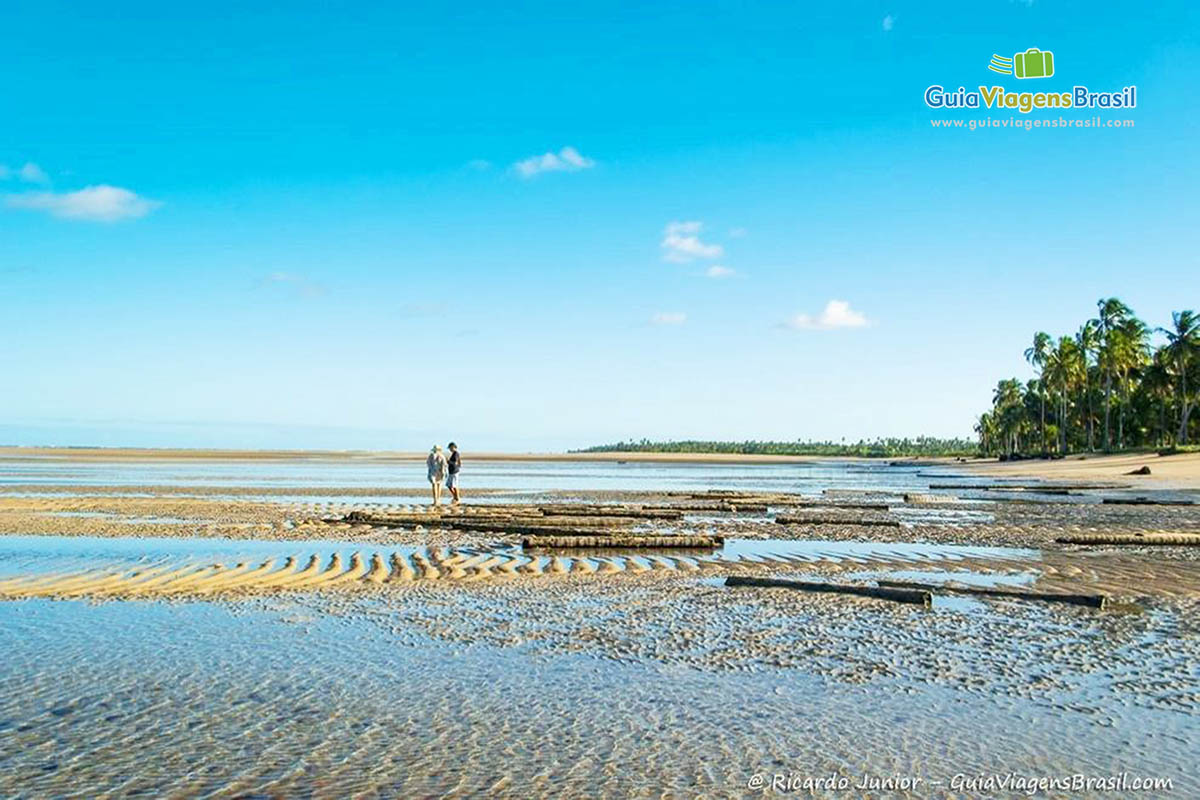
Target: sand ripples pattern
[[323, 571]]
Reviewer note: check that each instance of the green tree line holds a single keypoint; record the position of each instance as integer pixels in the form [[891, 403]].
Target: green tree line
[[1105, 387], [919, 446]]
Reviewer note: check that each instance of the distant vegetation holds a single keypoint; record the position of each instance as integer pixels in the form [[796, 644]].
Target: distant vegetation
[[877, 448], [1103, 388]]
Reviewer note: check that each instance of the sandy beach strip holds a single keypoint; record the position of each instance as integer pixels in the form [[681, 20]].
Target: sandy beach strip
[[1178, 472]]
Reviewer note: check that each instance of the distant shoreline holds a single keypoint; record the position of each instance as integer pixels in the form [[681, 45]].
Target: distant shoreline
[[1175, 472], [212, 454]]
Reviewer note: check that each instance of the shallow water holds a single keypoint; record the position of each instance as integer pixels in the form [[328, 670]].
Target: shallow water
[[527, 476], [200, 698], [578, 686]]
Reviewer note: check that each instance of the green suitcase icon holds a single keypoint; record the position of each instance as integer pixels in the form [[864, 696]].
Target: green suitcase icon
[[1033, 63]]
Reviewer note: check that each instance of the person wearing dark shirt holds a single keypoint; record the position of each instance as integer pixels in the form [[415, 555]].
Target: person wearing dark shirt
[[453, 465]]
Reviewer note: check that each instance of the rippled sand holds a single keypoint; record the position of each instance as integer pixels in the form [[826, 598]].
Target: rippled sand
[[200, 640]]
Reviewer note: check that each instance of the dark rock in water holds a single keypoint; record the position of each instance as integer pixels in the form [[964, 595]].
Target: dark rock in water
[[1140, 471]]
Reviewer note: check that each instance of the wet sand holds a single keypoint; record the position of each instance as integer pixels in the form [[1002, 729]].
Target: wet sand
[[413, 656]]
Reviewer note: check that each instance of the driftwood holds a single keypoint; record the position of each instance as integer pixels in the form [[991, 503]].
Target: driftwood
[[1145, 501], [809, 519], [1156, 539], [920, 597], [622, 542], [1089, 600]]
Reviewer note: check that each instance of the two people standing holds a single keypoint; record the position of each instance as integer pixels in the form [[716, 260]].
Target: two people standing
[[440, 468]]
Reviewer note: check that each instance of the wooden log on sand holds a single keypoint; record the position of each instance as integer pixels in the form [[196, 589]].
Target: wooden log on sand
[[846, 519], [1089, 600], [918, 597], [1144, 539], [623, 542], [1145, 501]]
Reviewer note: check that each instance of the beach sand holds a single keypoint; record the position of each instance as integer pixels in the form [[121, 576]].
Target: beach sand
[[1180, 471]]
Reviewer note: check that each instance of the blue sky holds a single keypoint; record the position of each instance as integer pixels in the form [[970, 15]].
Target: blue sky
[[374, 226]]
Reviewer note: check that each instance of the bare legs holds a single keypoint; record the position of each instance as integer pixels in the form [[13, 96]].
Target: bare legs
[[436, 483]]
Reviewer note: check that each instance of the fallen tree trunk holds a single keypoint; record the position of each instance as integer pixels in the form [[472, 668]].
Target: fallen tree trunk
[[622, 542], [1152, 539], [1145, 501], [1089, 600], [914, 596]]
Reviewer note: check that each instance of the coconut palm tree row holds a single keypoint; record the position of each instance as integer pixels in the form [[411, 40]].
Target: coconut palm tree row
[[1106, 387]]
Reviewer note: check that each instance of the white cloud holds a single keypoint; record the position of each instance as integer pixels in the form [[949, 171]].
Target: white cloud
[[889, 22], [836, 314], [668, 318], [681, 243], [32, 173], [94, 203], [566, 160], [718, 271]]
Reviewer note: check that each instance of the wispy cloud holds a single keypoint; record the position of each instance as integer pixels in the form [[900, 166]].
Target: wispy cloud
[[5, 172], [479, 164], [681, 243], [737, 233], [101, 203], [300, 284], [566, 160], [717, 271], [837, 314], [32, 173], [668, 318], [889, 22]]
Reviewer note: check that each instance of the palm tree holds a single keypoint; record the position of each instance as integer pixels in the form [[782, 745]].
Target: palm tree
[[1063, 365], [1036, 356], [1183, 343], [1087, 339], [1009, 403], [1112, 312], [1157, 384], [1132, 345]]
